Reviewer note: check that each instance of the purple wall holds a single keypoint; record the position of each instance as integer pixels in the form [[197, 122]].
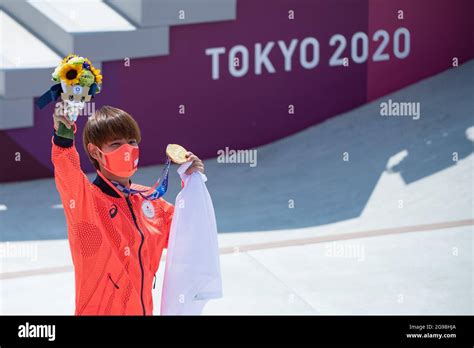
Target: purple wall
[[252, 110], [440, 31]]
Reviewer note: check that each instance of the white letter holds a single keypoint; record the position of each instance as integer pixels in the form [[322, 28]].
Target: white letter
[[304, 62], [214, 52], [52, 335], [262, 58], [245, 61], [221, 156], [21, 331], [288, 52]]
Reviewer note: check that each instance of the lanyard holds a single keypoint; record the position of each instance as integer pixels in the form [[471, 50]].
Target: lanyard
[[159, 189]]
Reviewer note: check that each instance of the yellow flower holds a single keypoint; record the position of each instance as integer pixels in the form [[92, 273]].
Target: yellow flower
[[70, 73]]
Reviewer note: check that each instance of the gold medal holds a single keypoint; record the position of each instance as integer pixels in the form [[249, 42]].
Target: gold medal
[[176, 153]]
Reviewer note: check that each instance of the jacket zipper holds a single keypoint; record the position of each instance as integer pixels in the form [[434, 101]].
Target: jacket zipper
[[139, 251]]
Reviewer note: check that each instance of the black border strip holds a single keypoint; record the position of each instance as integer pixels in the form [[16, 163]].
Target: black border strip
[[193, 330]]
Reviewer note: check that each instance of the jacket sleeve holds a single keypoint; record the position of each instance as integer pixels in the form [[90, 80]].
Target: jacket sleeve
[[72, 184]]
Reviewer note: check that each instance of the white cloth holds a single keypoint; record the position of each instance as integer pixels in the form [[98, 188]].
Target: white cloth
[[192, 270]]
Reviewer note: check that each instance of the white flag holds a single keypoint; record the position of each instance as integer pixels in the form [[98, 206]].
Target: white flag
[[192, 271]]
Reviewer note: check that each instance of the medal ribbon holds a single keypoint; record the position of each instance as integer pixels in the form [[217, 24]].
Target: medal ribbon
[[159, 189]]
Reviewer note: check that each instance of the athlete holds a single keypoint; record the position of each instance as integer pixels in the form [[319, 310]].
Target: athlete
[[116, 232]]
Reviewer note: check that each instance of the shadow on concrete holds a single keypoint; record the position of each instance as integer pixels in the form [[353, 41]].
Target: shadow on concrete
[[309, 169]]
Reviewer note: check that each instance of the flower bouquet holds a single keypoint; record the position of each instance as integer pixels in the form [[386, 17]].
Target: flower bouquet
[[77, 82]]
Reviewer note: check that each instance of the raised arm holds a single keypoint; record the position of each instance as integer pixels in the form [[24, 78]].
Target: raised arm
[[73, 186]]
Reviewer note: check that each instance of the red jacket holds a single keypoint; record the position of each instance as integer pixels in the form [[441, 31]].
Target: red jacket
[[116, 242]]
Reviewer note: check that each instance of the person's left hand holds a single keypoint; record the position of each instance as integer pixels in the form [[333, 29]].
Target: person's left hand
[[197, 164]]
